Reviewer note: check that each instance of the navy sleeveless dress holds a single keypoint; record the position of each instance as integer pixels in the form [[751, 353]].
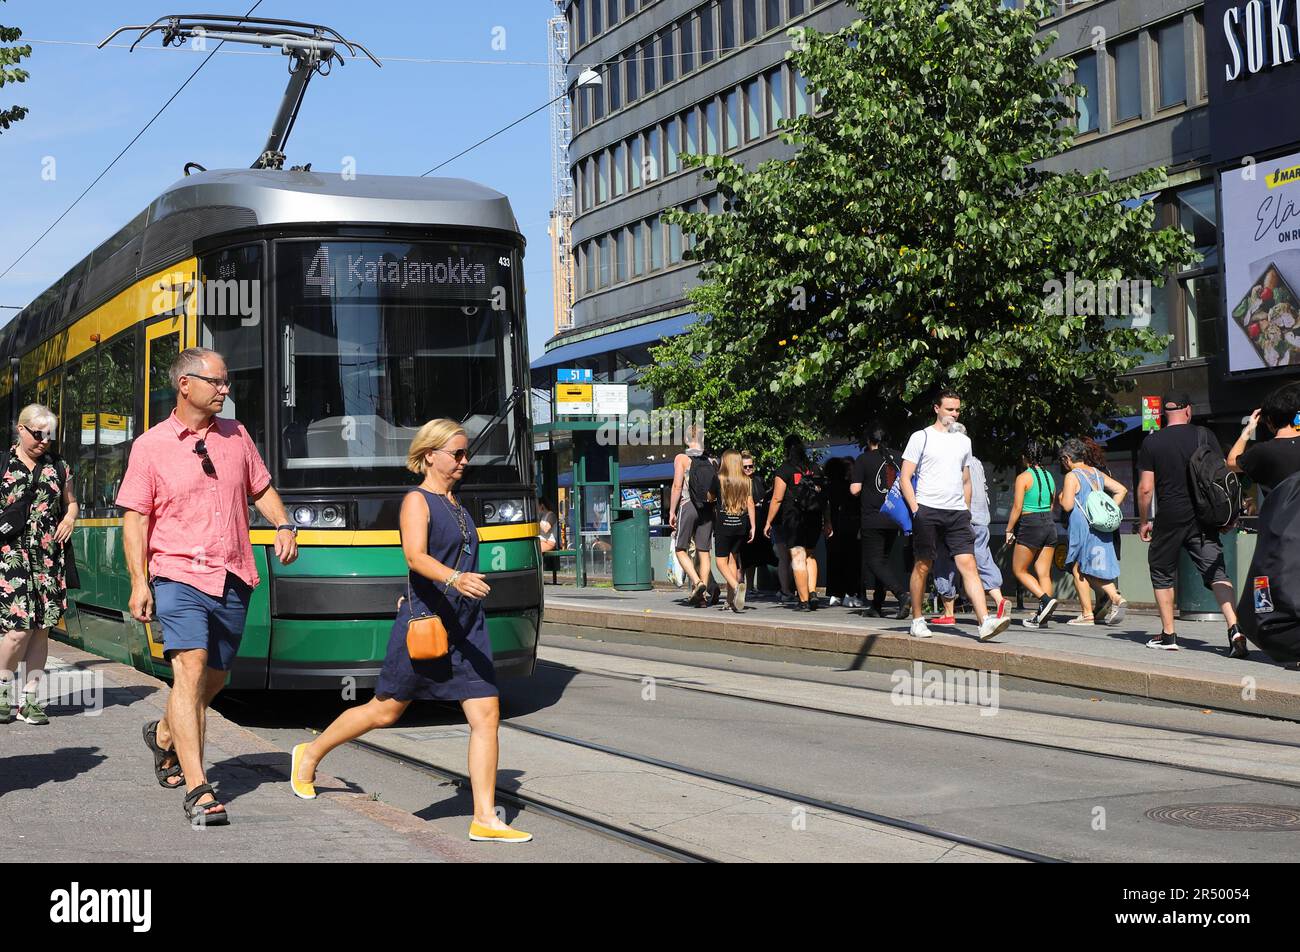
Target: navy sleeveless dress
[[467, 670]]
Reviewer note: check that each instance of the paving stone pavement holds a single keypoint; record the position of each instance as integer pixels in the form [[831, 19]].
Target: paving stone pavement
[[82, 790]]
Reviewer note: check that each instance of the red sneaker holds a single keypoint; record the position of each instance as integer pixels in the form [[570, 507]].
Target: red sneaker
[[945, 620]]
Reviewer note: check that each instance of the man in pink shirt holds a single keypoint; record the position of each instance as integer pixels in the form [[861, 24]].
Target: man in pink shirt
[[185, 530]]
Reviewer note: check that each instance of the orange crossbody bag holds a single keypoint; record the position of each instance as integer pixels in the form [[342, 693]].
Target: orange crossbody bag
[[426, 635]]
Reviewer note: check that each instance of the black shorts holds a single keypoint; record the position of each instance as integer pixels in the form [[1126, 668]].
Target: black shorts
[[1205, 549], [802, 531], [728, 541], [1036, 530], [951, 526]]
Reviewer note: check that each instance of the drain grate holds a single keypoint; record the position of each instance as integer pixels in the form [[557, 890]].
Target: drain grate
[[1238, 817]]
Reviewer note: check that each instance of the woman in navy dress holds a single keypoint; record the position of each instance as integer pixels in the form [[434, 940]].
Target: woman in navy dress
[[440, 543]]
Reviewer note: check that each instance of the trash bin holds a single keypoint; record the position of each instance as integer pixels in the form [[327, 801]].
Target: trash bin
[[630, 536], [1195, 601]]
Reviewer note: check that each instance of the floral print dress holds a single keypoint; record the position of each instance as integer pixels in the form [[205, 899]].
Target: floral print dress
[[33, 592]]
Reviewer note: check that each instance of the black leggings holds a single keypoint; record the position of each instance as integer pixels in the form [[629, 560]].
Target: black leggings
[[877, 567]]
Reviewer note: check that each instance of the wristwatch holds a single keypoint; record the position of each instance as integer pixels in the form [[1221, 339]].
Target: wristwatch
[[293, 529]]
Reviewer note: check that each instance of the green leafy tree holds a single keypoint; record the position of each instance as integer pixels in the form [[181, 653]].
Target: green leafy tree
[[10, 57], [911, 242]]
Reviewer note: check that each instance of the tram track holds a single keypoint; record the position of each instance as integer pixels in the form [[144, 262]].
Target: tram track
[[1021, 742]]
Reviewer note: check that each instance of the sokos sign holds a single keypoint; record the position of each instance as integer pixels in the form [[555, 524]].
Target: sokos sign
[[1252, 50], [1264, 34]]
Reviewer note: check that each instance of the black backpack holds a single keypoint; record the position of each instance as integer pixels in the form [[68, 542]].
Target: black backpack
[[809, 493], [1215, 490], [699, 482], [1269, 610]]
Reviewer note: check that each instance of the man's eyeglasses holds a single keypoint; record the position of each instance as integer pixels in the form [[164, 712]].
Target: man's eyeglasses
[[40, 436], [458, 455], [221, 383], [201, 451]]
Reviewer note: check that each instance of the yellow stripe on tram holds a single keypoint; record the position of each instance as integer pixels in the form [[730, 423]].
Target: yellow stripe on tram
[[346, 537]]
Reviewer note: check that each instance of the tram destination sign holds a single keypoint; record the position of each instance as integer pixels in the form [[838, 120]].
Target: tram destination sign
[[343, 270]]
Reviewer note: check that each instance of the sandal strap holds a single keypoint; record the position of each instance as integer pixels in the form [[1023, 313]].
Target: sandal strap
[[193, 796]]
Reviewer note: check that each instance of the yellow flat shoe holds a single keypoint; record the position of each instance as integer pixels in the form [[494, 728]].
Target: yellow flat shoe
[[485, 834], [301, 788]]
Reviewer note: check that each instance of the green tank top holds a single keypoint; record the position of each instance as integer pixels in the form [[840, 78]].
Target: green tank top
[[1038, 497]]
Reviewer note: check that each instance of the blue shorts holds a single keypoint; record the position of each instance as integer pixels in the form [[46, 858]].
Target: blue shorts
[[193, 619]]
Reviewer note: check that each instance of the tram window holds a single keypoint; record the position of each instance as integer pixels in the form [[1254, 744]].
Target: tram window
[[163, 352], [77, 437], [232, 325], [384, 336], [116, 409]]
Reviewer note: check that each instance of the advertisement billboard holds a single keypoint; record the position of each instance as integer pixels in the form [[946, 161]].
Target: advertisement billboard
[[1261, 263]]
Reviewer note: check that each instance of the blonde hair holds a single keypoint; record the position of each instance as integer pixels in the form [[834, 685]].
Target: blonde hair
[[736, 487], [434, 435], [36, 413]]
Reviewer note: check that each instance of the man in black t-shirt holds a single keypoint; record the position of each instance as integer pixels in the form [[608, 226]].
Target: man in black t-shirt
[[873, 473], [1269, 462], [1162, 468]]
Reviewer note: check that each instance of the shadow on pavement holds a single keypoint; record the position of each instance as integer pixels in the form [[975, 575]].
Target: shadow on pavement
[[29, 771]]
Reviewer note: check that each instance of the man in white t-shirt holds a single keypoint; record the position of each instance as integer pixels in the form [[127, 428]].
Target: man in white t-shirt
[[940, 505]]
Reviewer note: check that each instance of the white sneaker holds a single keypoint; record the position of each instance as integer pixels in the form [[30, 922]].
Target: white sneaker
[[1115, 614], [740, 597], [920, 629], [852, 601], [1083, 621], [834, 600], [992, 626]]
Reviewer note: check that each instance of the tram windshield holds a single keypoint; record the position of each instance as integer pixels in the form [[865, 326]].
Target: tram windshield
[[377, 338]]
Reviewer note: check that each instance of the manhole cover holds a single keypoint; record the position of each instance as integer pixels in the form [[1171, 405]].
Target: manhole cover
[[1242, 817]]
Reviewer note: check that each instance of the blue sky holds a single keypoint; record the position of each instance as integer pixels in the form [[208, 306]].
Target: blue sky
[[86, 104]]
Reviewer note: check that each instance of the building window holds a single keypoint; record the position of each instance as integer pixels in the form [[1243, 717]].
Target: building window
[[596, 26], [749, 19], [711, 128], [602, 178], [630, 75], [620, 256], [727, 26], [773, 11], [1202, 297], [674, 244], [796, 8], [775, 99], [708, 48], [638, 160], [1085, 106], [611, 13], [656, 244], [653, 147], [672, 145], [802, 98], [597, 102], [620, 164], [1128, 81], [580, 12], [584, 268], [1170, 53], [1198, 216], [584, 99], [589, 183], [691, 131], [753, 109], [731, 125], [648, 65], [615, 87], [629, 8], [638, 249], [669, 66], [686, 38], [605, 243], [576, 175]]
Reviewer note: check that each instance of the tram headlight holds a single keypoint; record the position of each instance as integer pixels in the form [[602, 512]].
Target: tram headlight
[[320, 516], [497, 511]]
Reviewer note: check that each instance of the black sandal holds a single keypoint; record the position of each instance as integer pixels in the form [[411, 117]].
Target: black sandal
[[198, 814], [159, 755]]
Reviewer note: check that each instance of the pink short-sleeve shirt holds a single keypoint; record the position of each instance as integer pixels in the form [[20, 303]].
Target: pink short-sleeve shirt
[[198, 524]]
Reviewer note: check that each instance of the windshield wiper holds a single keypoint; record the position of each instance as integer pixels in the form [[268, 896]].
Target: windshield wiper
[[494, 422]]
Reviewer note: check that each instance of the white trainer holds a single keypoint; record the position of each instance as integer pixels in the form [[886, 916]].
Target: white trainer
[[992, 626], [920, 629]]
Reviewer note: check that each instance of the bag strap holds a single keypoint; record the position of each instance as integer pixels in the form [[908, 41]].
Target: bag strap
[[30, 491]]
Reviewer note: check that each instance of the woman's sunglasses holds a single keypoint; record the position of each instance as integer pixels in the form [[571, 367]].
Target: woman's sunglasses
[[40, 436], [459, 456]]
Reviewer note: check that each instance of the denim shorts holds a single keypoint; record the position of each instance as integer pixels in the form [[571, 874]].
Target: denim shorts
[[194, 619]]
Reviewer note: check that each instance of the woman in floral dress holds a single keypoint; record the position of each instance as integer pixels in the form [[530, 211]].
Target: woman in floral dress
[[33, 583]]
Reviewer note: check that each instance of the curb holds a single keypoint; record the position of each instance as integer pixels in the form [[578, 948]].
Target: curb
[[1273, 697], [240, 742]]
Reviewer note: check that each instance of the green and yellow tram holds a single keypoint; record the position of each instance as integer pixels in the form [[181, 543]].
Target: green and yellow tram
[[350, 310]]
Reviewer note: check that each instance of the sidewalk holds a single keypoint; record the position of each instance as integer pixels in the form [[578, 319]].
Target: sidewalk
[[1099, 658], [82, 790]]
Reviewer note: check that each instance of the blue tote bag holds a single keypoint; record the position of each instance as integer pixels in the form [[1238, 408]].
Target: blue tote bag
[[895, 506]]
